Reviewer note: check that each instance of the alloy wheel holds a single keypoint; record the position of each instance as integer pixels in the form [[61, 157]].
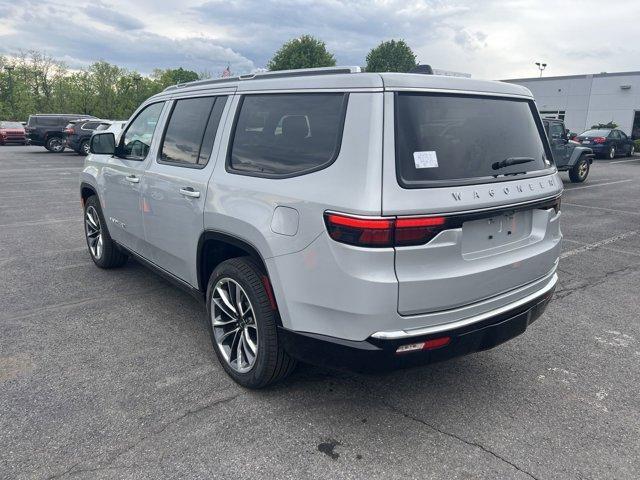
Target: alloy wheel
[[56, 145], [583, 169], [93, 231], [234, 325], [612, 152], [86, 148]]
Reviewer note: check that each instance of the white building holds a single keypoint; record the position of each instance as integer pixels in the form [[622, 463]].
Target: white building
[[586, 100]]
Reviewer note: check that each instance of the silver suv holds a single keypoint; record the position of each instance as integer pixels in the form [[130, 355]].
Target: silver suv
[[353, 220]]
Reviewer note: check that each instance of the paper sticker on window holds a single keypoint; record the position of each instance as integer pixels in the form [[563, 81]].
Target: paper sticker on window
[[425, 159]]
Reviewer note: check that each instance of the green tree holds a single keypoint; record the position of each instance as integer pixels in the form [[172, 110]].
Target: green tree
[[172, 76], [391, 56], [303, 52]]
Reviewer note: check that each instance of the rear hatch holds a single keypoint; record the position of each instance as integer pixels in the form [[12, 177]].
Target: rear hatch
[[478, 167]]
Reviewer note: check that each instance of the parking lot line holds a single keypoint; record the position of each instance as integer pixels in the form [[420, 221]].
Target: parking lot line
[[38, 222], [609, 249], [601, 208], [591, 246], [599, 185], [625, 161]]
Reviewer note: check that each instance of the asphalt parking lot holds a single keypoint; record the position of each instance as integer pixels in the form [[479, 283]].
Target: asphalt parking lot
[[111, 374]]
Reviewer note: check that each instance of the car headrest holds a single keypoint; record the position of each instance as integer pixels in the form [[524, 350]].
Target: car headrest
[[295, 126]]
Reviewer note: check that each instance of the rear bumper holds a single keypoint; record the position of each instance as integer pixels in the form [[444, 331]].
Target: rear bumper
[[378, 352]]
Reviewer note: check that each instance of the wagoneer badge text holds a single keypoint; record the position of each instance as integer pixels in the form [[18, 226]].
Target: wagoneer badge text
[[520, 188]]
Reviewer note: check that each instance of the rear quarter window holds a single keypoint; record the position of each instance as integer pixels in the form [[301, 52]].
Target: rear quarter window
[[50, 121], [453, 139], [283, 135]]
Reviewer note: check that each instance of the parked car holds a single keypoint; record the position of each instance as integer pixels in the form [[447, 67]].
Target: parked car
[[78, 133], [12, 132], [568, 155], [115, 126], [47, 130], [428, 231], [607, 142]]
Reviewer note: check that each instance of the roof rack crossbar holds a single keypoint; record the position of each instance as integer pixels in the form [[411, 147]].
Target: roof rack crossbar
[[261, 75]]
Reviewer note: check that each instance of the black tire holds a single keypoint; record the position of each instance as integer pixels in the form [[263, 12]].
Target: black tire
[[580, 171], [110, 255], [271, 363], [55, 144], [84, 148]]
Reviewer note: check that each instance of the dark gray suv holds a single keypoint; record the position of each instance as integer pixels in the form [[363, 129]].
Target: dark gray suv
[[48, 130]]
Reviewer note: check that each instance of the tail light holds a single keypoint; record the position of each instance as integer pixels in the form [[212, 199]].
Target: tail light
[[599, 140], [383, 231], [68, 131], [363, 232]]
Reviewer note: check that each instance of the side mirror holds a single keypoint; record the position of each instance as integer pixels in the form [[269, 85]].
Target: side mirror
[[103, 143]]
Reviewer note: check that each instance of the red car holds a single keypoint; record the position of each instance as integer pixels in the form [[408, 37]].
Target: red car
[[12, 132]]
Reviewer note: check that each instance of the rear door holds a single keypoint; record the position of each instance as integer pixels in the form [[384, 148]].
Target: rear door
[[175, 184], [478, 168]]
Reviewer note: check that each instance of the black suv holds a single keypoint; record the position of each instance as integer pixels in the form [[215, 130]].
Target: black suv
[[79, 133], [48, 130]]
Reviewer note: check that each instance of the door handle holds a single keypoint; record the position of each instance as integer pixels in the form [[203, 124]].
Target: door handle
[[189, 192], [133, 179]]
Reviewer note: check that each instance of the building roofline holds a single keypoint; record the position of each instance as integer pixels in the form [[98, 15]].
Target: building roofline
[[563, 77]]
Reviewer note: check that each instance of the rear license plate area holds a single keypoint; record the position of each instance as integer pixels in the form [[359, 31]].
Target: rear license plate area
[[496, 232]]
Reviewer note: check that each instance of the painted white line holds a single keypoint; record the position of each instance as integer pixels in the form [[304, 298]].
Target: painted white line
[[39, 222], [599, 185], [601, 208], [625, 161], [591, 246], [608, 249]]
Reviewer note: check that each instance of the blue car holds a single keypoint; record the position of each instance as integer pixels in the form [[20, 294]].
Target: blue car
[[607, 142]]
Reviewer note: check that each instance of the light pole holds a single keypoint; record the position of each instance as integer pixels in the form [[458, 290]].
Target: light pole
[[541, 67], [9, 70]]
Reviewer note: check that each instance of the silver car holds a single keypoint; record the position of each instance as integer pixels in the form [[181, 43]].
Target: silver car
[[354, 220]]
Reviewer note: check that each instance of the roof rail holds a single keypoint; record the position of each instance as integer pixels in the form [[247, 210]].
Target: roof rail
[[275, 74]]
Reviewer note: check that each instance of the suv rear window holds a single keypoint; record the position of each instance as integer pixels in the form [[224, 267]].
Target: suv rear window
[[456, 139], [281, 135]]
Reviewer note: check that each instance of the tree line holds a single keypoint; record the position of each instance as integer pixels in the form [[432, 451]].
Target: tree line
[[33, 82]]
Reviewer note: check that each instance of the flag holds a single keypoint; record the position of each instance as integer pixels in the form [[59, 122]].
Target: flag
[[226, 72]]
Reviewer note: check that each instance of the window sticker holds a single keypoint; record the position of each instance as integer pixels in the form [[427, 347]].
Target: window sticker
[[427, 159]]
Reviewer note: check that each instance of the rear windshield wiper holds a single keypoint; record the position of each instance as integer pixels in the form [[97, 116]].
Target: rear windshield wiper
[[507, 162]]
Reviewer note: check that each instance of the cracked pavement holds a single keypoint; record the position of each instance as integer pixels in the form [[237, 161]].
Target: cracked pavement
[[111, 375]]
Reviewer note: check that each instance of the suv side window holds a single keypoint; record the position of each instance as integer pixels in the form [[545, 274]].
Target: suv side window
[[622, 135], [614, 135], [191, 130], [89, 126], [48, 121], [135, 142], [555, 130], [283, 135]]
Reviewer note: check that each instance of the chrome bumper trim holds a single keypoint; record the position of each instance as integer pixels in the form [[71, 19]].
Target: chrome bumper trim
[[444, 327]]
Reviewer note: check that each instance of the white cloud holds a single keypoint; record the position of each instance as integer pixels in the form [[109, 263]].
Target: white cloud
[[488, 38]]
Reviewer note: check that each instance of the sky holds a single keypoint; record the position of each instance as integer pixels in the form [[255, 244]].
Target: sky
[[490, 39]]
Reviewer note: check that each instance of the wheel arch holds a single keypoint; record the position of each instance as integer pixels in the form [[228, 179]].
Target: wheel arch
[[215, 247], [86, 191]]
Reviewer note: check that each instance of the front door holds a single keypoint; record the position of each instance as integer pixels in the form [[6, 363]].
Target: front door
[[122, 178], [175, 185], [557, 139]]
